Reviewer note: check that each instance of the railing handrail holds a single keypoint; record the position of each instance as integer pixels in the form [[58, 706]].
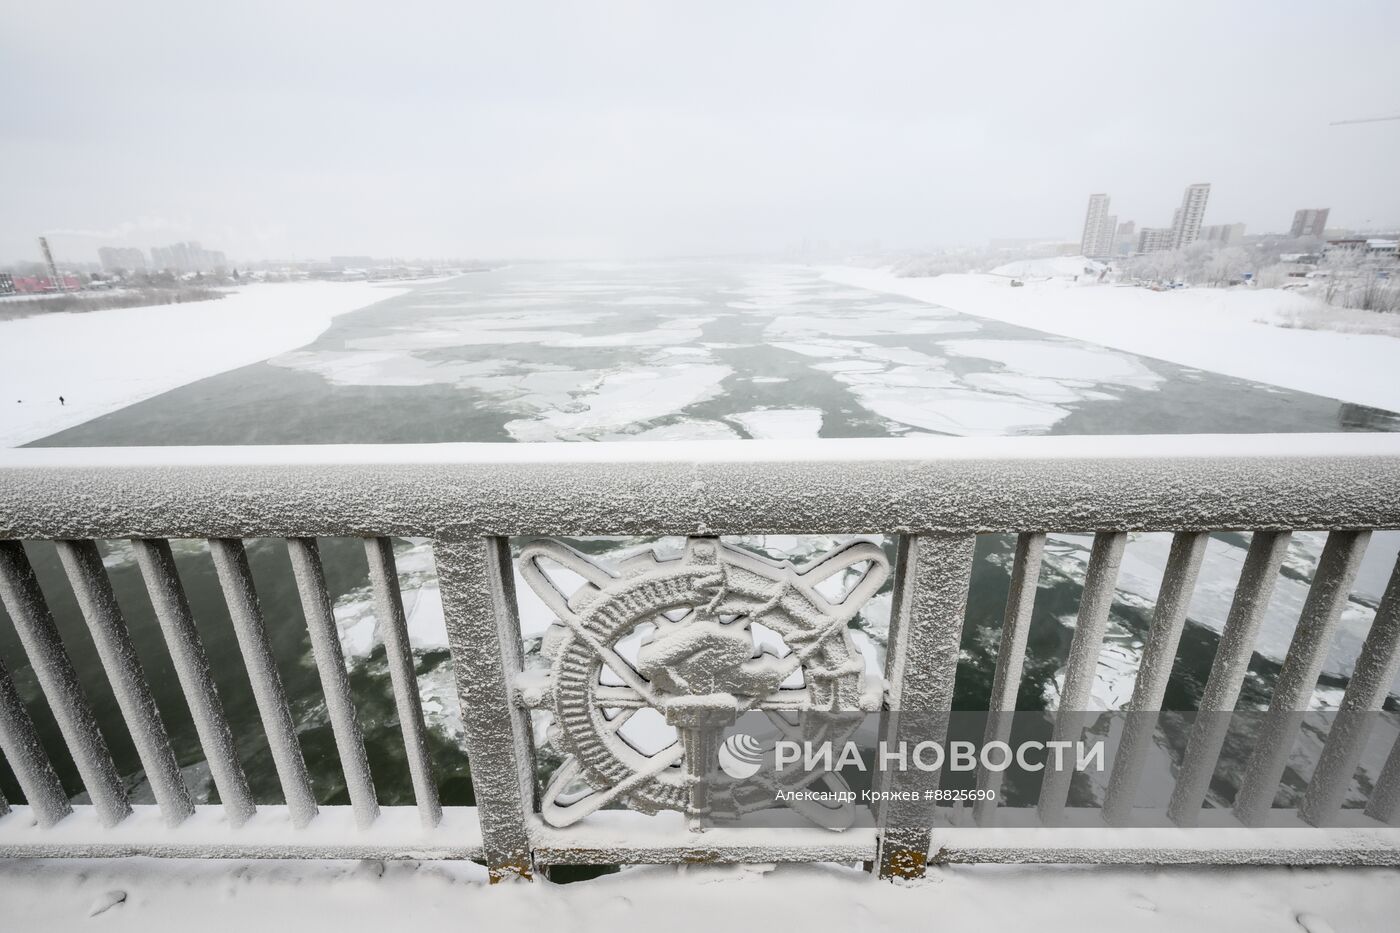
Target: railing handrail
[[915, 485], [933, 496]]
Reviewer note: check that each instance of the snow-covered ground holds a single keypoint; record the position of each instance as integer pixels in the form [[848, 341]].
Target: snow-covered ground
[[100, 361], [155, 896], [1242, 332]]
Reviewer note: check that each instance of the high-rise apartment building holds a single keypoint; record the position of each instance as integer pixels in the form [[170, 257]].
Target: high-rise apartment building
[[1153, 239], [1186, 223], [1224, 234], [1125, 238], [187, 257], [1099, 227], [1310, 221], [119, 259]]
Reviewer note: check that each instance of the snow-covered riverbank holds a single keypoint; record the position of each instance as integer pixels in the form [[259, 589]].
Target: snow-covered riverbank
[[1237, 331], [101, 361]]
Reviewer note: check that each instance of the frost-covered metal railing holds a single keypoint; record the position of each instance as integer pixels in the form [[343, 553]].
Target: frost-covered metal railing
[[936, 496]]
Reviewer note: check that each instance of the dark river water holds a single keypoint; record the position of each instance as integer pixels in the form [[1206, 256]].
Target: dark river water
[[655, 352]]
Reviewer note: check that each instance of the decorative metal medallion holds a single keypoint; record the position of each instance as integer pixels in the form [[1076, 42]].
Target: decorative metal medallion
[[699, 663]]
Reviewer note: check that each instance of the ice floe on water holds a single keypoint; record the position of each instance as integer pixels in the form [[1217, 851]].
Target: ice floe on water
[[683, 429], [354, 611], [866, 323], [661, 336], [1063, 360], [387, 368], [650, 300], [964, 412], [780, 423], [1030, 390], [624, 399], [915, 389]]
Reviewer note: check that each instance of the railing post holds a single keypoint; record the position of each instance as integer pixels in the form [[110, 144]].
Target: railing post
[[27, 758], [483, 633], [1154, 670], [1227, 671], [98, 604], [1100, 580], [932, 574], [1011, 658], [1327, 597], [172, 610], [1370, 682], [398, 654], [24, 601], [335, 681], [236, 579]]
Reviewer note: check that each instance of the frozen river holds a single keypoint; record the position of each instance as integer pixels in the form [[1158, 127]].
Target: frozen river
[[666, 351], [652, 352]]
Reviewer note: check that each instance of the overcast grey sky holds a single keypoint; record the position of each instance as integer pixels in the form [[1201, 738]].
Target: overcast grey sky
[[300, 129]]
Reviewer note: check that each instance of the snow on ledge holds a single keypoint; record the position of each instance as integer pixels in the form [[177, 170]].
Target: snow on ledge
[[1057, 447]]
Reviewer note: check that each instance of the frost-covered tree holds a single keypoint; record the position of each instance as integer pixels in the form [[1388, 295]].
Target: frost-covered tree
[[1227, 266], [1354, 278]]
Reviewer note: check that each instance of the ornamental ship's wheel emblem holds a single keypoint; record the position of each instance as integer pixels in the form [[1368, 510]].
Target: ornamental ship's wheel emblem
[[699, 665]]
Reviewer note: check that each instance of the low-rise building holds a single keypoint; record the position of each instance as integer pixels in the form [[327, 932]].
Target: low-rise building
[[43, 284]]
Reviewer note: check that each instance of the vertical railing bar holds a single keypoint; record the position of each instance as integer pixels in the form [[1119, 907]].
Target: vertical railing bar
[[895, 651], [1384, 804], [335, 682], [932, 576], [24, 601], [83, 564], [1227, 671], [483, 632], [1154, 670], [393, 631], [1100, 580], [896, 647], [1366, 691], [1011, 657], [172, 611], [1297, 679], [236, 580], [28, 760]]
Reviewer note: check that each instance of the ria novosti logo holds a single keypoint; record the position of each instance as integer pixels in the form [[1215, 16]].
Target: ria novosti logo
[[740, 756]]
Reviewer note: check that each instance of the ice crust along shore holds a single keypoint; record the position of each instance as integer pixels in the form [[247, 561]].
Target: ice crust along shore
[[100, 361], [1231, 331]]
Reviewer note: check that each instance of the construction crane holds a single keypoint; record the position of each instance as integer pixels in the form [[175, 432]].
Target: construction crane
[[1363, 120]]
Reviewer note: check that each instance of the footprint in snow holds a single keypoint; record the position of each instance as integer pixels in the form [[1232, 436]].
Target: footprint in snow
[[1314, 924], [106, 902]]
